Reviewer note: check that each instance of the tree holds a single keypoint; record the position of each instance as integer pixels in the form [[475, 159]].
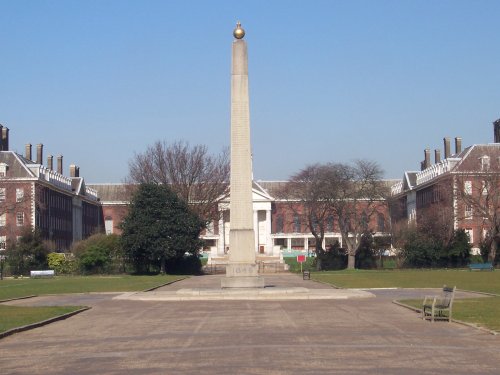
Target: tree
[[28, 253], [306, 196], [158, 228], [195, 176], [351, 193], [355, 193], [478, 194]]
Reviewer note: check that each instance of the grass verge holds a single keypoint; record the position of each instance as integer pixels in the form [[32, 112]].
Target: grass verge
[[483, 312], [18, 316], [480, 281], [16, 288]]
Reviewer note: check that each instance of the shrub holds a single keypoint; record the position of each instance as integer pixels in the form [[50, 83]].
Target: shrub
[[99, 253], [187, 265], [335, 258], [28, 253], [62, 264]]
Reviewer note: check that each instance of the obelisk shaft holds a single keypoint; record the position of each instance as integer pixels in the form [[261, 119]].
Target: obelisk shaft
[[242, 270]]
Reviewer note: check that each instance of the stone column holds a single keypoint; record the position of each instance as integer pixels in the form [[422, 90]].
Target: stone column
[[256, 230], [289, 243], [269, 240], [221, 244], [242, 270]]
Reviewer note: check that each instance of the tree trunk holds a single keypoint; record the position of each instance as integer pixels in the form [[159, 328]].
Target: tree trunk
[[493, 251], [351, 261], [162, 266]]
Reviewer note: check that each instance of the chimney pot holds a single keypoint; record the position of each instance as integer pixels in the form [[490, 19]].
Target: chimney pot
[[496, 131], [60, 164], [39, 153], [447, 149], [50, 162], [5, 138], [458, 145], [427, 160], [437, 156], [72, 170], [27, 149]]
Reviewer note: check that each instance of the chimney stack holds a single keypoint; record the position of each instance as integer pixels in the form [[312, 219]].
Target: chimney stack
[[437, 156], [39, 153], [50, 162], [496, 131], [458, 145], [28, 151], [427, 159], [74, 171], [447, 150], [60, 164], [5, 139]]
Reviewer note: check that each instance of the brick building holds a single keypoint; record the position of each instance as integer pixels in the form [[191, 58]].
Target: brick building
[[452, 191], [39, 196], [275, 224]]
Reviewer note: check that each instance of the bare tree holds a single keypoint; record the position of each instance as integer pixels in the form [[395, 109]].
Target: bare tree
[[197, 177], [356, 194], [478, 197], [351, 193]]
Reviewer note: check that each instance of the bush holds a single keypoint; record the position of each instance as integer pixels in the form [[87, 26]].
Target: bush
[[420, 250], [187, 265], [28, 253], [62, 264], [457, 253], [294, 266], [365, 257], [335, 258], [99, 253]]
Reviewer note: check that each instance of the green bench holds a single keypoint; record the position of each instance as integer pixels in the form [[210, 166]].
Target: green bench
[[481, 267]]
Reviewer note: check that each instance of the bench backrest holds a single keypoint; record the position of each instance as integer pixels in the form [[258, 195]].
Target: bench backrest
[[448, 296]]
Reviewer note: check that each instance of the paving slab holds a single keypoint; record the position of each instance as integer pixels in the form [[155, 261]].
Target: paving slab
[[352, 336]]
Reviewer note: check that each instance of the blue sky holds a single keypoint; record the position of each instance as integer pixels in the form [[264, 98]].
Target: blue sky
[[97, 81]]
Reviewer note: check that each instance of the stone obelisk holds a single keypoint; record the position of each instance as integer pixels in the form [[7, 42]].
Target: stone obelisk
[[242, 270]]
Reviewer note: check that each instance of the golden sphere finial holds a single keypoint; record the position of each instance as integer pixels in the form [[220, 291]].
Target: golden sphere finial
[[239, 33]]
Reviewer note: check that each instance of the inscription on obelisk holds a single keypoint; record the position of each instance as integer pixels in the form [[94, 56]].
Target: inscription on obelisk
[[242, 270]]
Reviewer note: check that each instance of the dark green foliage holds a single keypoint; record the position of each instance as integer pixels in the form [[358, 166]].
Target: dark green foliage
[[423, 250], [485, 251], [365, 257], [27, 254], [294, 266], [159, 229], [457, 253], [334, 258], [99, 253], [420, 250], [187, 265]]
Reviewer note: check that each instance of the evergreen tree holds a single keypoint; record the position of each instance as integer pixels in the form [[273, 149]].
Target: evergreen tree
[[159, 228], [28, 253]]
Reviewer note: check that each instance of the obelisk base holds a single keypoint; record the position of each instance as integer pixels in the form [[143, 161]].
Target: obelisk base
[[242, 275]]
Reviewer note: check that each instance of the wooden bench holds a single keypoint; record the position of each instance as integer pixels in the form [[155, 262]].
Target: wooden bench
[[44, 273], [439, 307], [481, 267]]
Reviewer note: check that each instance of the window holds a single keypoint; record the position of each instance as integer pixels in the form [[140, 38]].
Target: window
[[2, 194], [329, 223], [381, 222], [296, 224], [3, 220], [3, 242], [279, 224], [484, 187], [468, 211], [3, 169], [470, 233], [20, 219], [108, 225], [468, 187], [485, 162], [19, 194]]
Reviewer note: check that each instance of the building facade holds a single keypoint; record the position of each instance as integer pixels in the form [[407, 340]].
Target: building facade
[[37, 196], [453, 192]]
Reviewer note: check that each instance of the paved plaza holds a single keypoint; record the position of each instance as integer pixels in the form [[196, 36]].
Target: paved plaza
[[341, 336]]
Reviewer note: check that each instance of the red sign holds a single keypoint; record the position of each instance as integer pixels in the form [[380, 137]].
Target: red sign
[[301, 258]]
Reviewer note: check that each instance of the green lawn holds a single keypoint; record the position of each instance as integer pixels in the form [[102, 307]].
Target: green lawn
[[17, 316], [14, 288], [484, 312], [481, 281]]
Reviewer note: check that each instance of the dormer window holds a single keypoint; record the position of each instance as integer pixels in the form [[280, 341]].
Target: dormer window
[[485, 163], [3, 169]]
